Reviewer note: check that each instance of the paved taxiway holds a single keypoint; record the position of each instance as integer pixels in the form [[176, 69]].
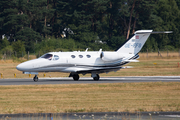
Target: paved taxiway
[[84, 80], [95, 116]]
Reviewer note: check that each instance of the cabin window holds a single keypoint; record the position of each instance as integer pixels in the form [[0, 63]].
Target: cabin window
[[73, 56], [56, 57], [88, 56], [80, 56], [47, 56]]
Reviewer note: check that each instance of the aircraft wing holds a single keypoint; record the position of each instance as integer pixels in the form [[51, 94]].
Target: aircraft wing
[[98, 70]]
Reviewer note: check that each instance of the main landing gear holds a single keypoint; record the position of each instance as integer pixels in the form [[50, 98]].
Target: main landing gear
[[96, 78], [35, 78], [76, 76]]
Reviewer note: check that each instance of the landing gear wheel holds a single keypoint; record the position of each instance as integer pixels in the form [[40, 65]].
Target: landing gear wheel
[[76, 77], [96, 78], [35, 78]]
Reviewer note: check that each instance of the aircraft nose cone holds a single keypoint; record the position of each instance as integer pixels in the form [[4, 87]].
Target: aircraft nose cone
[[20, 67]]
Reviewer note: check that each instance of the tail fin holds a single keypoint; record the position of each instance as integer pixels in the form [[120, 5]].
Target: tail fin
[[135, 43]]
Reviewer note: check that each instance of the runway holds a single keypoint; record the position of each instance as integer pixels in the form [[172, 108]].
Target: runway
[[96, 116], [89, 80]]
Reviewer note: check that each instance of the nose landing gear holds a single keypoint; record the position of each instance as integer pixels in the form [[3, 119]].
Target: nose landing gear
[[35, 78]]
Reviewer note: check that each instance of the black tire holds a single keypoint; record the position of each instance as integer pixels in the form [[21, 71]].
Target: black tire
[[96, 78], [76, 77], [35, 78]]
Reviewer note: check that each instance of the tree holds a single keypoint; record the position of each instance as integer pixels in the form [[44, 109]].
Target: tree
[[113, 16], [82, 17], [4, 43], [168, 21], [29, 38], [131, 13], [8, 16], [19, 48], [130, 17], [88, 21]]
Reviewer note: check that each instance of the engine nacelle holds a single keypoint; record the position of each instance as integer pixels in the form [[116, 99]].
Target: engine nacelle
[[110, 56]]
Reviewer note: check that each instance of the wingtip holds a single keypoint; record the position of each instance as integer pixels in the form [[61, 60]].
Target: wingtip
[[168, 31]]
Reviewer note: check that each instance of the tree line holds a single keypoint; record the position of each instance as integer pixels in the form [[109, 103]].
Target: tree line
[[67, 25]]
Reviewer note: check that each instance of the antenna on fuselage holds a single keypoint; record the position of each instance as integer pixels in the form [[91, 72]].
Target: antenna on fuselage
[[86, 50]]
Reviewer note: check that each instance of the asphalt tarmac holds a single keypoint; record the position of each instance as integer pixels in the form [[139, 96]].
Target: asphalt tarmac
[[89, 80], [94, 116]]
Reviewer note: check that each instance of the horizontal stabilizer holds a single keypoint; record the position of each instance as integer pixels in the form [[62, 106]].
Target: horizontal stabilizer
[[156, 32]]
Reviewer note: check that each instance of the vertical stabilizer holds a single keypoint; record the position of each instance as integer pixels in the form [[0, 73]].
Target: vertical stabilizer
[[135, 43]]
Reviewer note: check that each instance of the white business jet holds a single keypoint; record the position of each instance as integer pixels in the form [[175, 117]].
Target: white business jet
[[95, 62]]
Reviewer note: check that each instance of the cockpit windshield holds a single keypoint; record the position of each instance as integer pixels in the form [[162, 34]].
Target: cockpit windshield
[[47, 56]]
